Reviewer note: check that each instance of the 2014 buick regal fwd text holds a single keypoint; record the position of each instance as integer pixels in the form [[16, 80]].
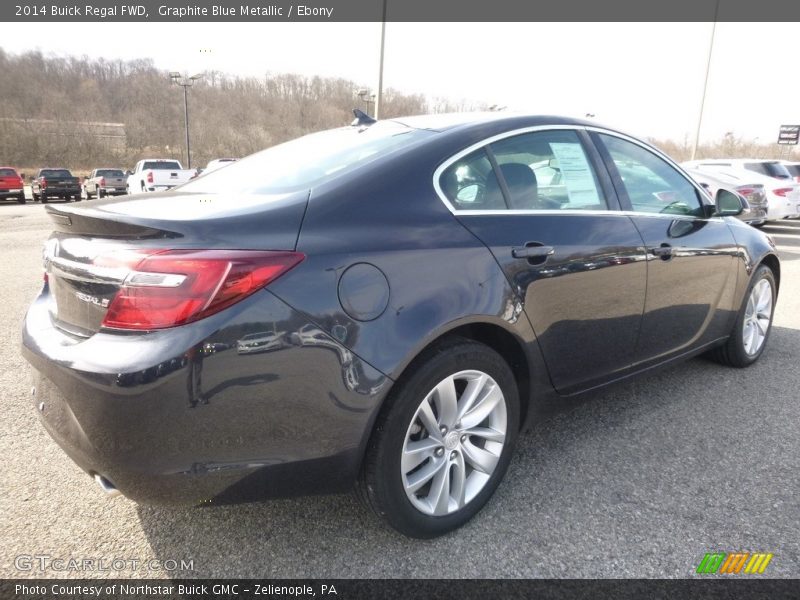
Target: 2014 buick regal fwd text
[[385, 306]]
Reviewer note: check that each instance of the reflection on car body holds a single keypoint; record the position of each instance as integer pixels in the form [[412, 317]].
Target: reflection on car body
[[263, 341]]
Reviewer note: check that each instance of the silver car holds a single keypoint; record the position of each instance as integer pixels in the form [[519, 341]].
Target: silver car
[[754, 193]]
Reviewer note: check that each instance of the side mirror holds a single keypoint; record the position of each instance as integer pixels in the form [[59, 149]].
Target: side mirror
[[729, 204]]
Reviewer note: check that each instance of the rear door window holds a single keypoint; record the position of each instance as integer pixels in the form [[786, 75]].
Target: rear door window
[[539, 171], [548, 170]]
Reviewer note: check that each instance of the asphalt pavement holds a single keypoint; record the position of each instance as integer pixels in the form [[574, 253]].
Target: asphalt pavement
[[640, 480]]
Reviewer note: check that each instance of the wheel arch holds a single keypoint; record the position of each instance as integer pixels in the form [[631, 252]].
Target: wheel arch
[[510, 346], [774, 264], [498, 337]]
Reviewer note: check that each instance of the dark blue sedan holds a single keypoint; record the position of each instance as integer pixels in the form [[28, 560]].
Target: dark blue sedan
[[384, 305]]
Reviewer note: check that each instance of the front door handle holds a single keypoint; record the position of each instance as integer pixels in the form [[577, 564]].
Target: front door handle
[[664, 252], [533, 252]]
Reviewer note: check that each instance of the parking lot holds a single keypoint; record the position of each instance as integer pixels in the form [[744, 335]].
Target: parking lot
[[640, 480]]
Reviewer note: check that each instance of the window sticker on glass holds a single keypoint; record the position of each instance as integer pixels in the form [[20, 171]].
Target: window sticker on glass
[[576, 174]]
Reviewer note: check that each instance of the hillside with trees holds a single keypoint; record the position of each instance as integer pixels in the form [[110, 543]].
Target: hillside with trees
[[56, 108]]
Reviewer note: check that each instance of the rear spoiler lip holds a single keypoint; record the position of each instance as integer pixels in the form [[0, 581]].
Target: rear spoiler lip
[[78, 222]]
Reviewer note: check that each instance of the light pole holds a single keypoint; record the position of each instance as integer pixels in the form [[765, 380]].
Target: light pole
[[185, 82]]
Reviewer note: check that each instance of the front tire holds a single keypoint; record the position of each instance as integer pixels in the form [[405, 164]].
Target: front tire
[[753, 324], [441, 447]]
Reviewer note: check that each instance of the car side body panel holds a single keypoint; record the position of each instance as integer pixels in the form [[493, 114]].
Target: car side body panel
[[439, 276]]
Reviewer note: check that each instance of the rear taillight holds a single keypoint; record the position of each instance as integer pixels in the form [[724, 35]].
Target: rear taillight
[[102, 182], [173, 287], [149, 177], [783, 191], [745, 191], [44, 183]]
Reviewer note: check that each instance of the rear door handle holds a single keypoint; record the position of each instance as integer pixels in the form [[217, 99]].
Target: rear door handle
[[533, 252], [664, 251]]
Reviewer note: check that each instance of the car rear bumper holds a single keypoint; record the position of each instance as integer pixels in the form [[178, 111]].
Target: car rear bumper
[[783, 208], [61, 191], [164, 421], [161, 188], [11, 193], [755, 215]]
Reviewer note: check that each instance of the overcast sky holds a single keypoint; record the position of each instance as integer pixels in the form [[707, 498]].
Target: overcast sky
[[645, 78]]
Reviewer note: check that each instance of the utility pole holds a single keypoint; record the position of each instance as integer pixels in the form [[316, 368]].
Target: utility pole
[[185, 82], [705, 83], [379, 99]]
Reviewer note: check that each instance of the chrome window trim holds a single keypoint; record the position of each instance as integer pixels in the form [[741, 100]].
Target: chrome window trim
[[437, 174]]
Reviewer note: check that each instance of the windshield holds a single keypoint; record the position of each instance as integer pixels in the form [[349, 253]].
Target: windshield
[[161, 164], [109, 173], [309, 160], [55, 173]]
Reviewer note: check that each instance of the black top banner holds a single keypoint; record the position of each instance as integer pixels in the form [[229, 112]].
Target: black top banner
[[399, 10]]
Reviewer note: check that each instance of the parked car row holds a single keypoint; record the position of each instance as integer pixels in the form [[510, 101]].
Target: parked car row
[[149, 175], [781, 187]]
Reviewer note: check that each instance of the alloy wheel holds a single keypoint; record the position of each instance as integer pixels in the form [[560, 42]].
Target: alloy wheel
[[454, 442], [757, 317]]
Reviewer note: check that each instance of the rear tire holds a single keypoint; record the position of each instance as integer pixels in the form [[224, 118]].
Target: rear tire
[[21, 198], [43, 198], [753, 324], [461, 454]]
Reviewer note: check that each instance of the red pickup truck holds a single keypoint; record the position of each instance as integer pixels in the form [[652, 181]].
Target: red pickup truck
[[11, 185]]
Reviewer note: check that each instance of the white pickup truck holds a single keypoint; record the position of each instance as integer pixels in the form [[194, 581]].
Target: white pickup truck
[[157, 175]]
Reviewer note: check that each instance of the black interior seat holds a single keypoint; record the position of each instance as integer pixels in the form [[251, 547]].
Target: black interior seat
[[523, 188]]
